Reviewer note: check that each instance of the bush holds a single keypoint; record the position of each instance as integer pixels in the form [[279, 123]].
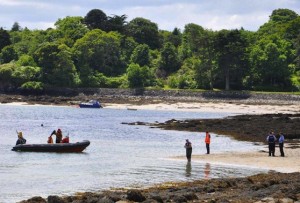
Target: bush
[[32, 87]]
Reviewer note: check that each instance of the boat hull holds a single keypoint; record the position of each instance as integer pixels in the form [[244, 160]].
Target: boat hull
[[59, 147], [90, 106]]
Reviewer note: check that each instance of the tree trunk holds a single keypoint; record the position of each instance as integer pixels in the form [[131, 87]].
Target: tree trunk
[[227, 86]]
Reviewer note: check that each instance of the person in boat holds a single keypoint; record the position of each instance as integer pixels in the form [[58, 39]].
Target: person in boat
[[65, 140], [21, 139], [58, 135], [50, 140], [188, 147]]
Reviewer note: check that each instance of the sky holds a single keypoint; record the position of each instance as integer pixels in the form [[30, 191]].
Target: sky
[[167, 14]]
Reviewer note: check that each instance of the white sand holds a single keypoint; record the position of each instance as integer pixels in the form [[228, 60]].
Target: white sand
[[259, 160], [212, 107]]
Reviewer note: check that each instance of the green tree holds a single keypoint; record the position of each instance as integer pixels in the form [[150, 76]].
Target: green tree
[[270, 59], [169, 61], [70, 29], [23, 74], [99, 51], [173, 37], [16, 27], [127, 46], [4, 38], [232, 57], [283, 15], [96, 19], [141, 55], [6, 71], [8, 54], [27, 41], [57, 65], [117, 23], [144, 32], [137, 76], [26, 60]]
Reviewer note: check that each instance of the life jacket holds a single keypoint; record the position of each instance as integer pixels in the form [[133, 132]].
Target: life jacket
[[207, 138], [271, 139], [50, 140], [65, 140]]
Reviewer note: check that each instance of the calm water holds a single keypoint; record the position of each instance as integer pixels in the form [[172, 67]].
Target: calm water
[[119, 155]]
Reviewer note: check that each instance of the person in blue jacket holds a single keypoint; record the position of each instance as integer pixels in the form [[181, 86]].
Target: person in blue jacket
[[271, 139], [281, 141]]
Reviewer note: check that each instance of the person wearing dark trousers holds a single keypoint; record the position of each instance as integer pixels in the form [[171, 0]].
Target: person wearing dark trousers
[[271, 139], [207, 142], [281, 141], [188, 147]]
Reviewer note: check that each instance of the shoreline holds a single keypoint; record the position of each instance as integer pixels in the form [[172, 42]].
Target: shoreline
[[211, 107]]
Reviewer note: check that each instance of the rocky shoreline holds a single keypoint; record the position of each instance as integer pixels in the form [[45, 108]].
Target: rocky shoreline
[[140, 97], [272, 187]]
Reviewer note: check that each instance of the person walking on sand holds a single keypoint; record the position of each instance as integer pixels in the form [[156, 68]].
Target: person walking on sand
[[281, 141], [271, 139], [188, 147], [207, 142]]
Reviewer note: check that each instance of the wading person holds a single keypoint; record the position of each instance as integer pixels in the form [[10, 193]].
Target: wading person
[[207, 142], [271, 139], [188, 147], [281, 141]]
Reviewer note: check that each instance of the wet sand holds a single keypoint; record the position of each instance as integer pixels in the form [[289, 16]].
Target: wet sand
[[259, 159]]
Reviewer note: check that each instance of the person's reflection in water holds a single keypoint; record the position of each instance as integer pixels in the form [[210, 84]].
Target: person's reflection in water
[[207, 171], [188, 169]]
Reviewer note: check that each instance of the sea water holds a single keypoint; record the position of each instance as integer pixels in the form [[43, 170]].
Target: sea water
[[119, 155]]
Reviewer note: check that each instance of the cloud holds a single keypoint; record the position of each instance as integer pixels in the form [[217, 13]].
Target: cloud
[[168, 14]]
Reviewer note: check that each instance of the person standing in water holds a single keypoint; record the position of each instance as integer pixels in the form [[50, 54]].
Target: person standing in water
[[207, 142], [188, 147]]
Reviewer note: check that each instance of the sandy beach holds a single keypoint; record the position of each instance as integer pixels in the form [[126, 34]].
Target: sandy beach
[[221, 107], [260, 159]]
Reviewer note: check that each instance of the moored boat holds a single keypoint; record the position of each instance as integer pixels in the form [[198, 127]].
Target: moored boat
[[91, 104], [58, 147]]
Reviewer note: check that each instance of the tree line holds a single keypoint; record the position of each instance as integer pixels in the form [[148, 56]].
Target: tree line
[[107, 51]]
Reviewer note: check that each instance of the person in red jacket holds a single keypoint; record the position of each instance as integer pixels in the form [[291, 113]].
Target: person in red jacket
[[207, 141], [65, 140]]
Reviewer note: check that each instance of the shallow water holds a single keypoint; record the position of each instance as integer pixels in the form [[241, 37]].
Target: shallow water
[[119, 155]]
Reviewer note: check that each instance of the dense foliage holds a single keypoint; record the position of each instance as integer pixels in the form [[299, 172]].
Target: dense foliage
[[107, 51]]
